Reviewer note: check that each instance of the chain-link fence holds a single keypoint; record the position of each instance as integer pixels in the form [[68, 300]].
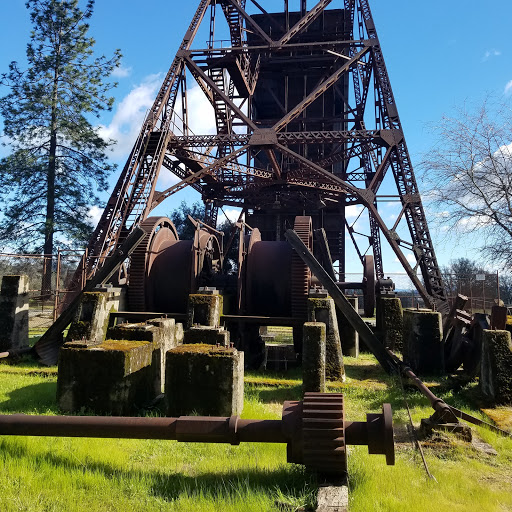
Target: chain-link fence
[[482, 290], [49, 280]]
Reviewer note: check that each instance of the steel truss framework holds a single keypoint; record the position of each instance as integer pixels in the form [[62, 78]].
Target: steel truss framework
[[251, 160]]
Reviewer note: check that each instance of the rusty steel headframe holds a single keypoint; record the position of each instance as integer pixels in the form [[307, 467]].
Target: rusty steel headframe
[[315, 430], [293, 96]]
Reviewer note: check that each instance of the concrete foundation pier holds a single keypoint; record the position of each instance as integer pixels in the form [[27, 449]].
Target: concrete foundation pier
[[322, 309], [496, 367], [205, 380], [313, 357], [389, 322], [14, 313], [423, 341], [115, 377], [348, 335], [161, 332], [91, 318]]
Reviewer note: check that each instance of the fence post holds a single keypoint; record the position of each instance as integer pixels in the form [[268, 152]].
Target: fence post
[[57, 286]]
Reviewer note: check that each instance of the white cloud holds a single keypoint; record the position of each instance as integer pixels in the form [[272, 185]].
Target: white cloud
[[95, 215], [508, 87], [352, 211], [491, 53], [201, 116], [122, 72], [230, 213], [129, 115]]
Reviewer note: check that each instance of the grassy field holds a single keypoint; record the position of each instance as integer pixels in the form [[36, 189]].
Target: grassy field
[[62, 474]]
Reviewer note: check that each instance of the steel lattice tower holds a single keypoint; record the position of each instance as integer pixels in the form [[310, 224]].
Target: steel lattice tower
[[306, 123]]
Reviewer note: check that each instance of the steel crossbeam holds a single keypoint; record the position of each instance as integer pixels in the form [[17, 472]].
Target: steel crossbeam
[[291, 96]]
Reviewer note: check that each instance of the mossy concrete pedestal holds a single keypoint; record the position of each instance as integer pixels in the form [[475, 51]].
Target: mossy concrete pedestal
[[313, 357], [423, 341], [390, 323], [161, 332], [496, 367], [348, 335], [207, 335], [323, 310], [92, 315], [14, 313], [114, 377], [204, 308], [205, 380]]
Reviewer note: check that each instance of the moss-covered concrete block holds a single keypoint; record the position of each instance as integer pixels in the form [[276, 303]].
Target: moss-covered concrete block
[[496, 367], [206, 335], [313, 357], [323, 310], [161, 332], [114, 377], [92, 315], [390, 323], [423, 341], [348, 335], [205, 380], [14, 312], [204, 309]]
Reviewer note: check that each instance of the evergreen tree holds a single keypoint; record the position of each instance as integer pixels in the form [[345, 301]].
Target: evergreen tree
[[58, 159]]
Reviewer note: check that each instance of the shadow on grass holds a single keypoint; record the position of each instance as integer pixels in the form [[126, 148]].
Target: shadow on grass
[[292, 480], [35, 398], [277, 394]]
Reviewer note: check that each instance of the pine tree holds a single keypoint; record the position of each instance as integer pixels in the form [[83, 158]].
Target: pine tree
[[58, 160]]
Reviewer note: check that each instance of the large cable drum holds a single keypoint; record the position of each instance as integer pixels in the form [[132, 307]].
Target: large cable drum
[[165, 270], [273, 280]]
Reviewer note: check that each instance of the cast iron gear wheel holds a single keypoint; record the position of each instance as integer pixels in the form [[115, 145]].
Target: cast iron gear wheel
[[323, 431], [139, 261], [300, 273]]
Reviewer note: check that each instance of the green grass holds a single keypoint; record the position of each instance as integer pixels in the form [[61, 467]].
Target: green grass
[[62, 474]]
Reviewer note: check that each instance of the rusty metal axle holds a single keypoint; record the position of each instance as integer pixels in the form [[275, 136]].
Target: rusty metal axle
[[314, 430]]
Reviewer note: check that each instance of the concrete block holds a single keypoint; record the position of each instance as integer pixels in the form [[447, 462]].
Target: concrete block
[[348, 335], [207, 335], [205, 380], [92, 315], [390, 323], [204, 309], [423, 341], [161, 332], [333, 498], [14, 313], [323, 310], [496, 367], [114, 377], [313, 357]]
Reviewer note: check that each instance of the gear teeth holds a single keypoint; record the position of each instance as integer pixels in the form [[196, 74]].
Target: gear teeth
[[301, 275], [324, 448]]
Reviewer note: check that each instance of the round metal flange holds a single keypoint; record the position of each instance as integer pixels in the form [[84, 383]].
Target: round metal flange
[[323, 435], [369, 285], [380, 434], [300, 272], [389, 440]]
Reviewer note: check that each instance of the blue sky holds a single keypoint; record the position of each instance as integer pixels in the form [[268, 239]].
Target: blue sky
[[438, 54]]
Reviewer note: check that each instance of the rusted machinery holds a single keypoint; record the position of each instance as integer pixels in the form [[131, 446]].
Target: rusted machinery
[[164, 270], [290, 94], [315, 430], [306, 127]]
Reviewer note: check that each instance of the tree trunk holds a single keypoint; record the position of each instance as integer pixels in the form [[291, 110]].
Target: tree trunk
[[49, 225]]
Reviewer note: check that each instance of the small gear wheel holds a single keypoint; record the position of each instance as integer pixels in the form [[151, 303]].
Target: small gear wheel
[[324, 447]]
